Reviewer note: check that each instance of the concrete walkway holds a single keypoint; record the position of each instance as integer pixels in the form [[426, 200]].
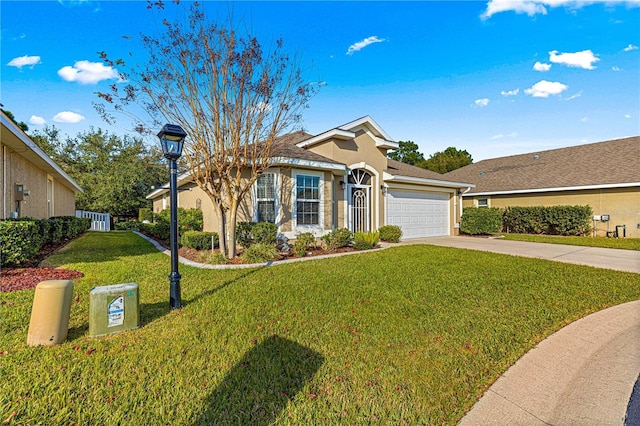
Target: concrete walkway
[[582, 375], [620, 260]]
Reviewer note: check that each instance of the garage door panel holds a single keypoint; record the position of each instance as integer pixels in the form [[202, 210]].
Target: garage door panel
[[419, 214]]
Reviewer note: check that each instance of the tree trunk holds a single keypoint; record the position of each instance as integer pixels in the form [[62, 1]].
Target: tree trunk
[[233, 214], [222, 231]]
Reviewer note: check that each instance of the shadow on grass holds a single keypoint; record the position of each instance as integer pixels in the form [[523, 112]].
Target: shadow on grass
[[220, 287], [261, 384]]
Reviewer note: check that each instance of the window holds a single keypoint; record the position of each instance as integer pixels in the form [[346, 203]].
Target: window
[[307, 200], [265, 198], [483, 202]]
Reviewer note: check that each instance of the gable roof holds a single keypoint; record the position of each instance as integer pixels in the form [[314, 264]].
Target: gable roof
[[597, 165], [347, 131], [14, 138], [401, 172]]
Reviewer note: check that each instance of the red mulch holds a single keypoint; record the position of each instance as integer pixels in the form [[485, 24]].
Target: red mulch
[[28, 277]]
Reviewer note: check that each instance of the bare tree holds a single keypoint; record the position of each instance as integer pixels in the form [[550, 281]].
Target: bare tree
[[231, 97]]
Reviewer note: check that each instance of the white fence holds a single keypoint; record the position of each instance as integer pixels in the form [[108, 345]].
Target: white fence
[[99, 221]]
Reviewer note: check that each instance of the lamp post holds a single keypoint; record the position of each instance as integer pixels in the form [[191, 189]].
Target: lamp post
[[172, 140]]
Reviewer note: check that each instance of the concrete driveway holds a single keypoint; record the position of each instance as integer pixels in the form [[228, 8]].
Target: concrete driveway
[[619, 260]]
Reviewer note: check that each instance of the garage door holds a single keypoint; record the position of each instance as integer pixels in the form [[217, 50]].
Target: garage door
[[419, 214]]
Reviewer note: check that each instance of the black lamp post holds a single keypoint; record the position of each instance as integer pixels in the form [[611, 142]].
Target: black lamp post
[[172, 140]]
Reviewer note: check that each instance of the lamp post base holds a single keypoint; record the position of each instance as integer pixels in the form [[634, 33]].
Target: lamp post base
[[175, 300]]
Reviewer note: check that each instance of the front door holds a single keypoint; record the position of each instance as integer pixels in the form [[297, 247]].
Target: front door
[[359, 201]]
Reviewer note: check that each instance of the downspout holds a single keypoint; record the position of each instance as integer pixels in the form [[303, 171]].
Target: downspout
[[4, 182], [461, 208]]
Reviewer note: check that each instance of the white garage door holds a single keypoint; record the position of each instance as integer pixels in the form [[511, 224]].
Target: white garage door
[[418, 214]]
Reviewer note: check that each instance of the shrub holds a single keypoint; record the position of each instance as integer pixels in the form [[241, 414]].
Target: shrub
[[243, 233], [259, 253], [19, 241], [481, 220], [337, 238], [188, 219], [303, 242], [159, 231], [264, 233], [199, 240], [552, 220], [145, 214], [213, 258], [365, 240], [127, 226], [390, 233]]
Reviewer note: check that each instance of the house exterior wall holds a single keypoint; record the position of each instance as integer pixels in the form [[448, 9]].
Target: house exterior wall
[[357, 153], [622, 204], [18, 170]]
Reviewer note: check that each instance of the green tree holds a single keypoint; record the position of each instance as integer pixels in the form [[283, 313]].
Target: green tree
[[116, 173], [232, 97], [448, 160], [20, 124], [408, 153]]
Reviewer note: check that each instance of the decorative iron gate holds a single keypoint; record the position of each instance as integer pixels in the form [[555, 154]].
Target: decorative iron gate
[[359, 201]]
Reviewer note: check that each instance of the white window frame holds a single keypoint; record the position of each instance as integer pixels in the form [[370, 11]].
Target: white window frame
[[483, 205], [276, 204], [315, 229]]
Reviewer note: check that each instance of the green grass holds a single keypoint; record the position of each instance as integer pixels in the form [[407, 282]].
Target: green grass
[[615, 243], [411, 333]]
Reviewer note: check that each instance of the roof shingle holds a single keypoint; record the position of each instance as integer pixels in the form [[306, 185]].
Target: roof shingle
[[602, 163]]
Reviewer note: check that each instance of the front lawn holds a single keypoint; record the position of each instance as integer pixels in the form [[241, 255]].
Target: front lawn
[[615, 243], [411, 334]]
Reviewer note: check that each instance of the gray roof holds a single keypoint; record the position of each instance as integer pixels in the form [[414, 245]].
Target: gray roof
[[285, 146], [604, 163], [397, 168]]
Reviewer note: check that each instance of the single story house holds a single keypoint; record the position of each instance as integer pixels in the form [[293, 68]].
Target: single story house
[[338, 178], [603, 175], [32, 183]]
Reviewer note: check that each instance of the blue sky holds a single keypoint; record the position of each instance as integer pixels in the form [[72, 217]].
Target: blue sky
[[493, 77]]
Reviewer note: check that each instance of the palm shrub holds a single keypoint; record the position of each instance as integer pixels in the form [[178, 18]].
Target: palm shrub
[[303, 242], [365, 240], [264, 233], [481, 220], [390, 233], [260, 253], [337, 238]]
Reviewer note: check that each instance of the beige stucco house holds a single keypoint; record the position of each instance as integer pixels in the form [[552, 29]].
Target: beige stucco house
[[604, 175], [32, 184], [339, 178]]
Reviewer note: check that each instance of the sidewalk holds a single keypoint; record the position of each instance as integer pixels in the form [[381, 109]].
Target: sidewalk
[[582, 375], [620, 260]]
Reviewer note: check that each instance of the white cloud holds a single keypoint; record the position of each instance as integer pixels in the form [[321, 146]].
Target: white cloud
[[364, 43], [534, 7], [502, 136], [539, 66], [630, 47], [615, 68], [37, 120], [513, 92], [68, 117], [481, 102], [584, 59], [544, 88], [577, 95], [25, 60], [85, 72], [627, 116], [584, 119]]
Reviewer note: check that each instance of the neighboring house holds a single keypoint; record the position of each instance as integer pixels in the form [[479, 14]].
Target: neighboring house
[[32, 184], [339, 178], [604, 175]]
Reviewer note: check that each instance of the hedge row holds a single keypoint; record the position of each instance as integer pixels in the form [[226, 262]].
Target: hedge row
[[188, 220], [21, 239], [552, 220]]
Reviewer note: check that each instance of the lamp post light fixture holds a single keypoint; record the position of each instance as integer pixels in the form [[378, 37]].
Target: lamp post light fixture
[[172, 140]]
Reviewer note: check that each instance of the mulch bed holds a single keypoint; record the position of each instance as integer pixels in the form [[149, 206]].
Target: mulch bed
[[29, 275]]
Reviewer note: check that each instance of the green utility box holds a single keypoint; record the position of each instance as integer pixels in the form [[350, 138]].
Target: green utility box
[[113, 308]]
